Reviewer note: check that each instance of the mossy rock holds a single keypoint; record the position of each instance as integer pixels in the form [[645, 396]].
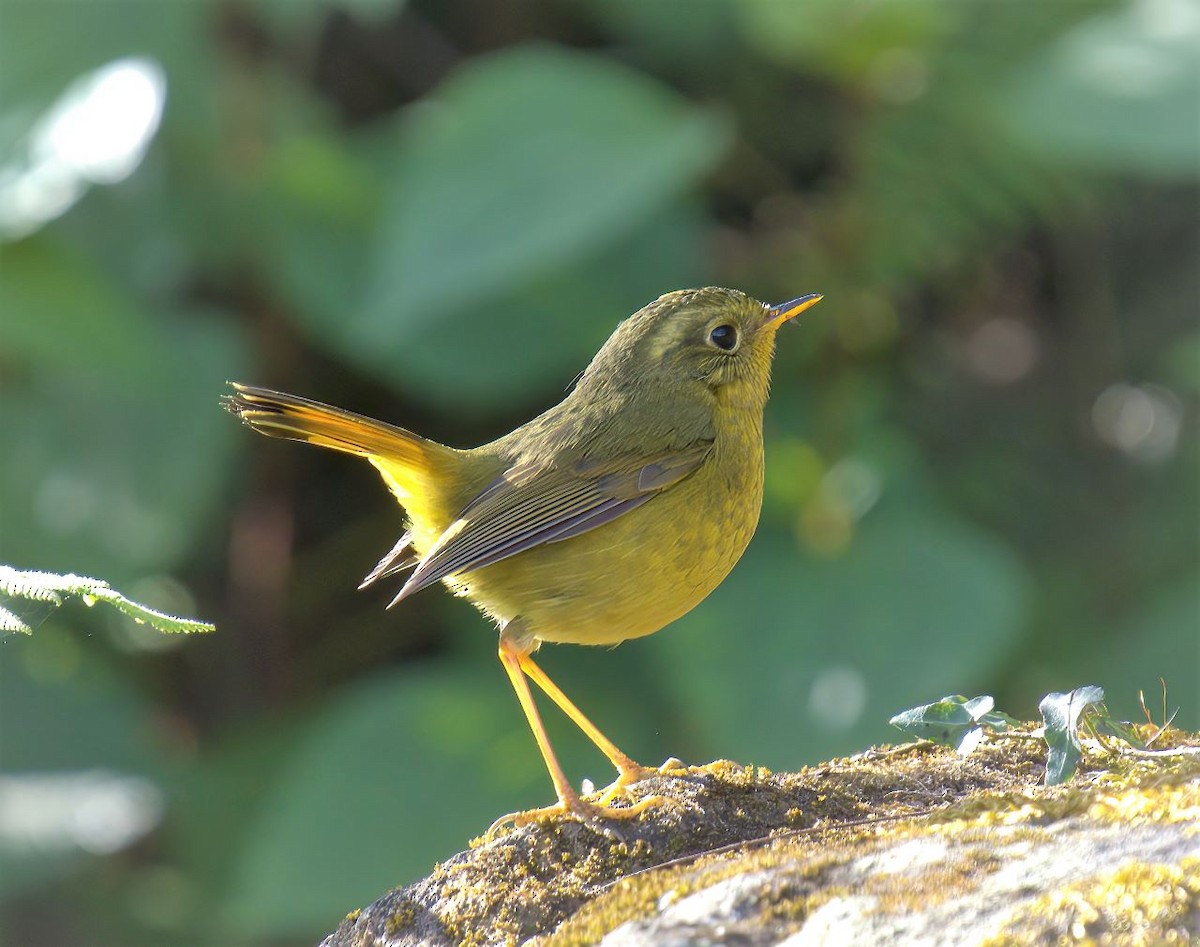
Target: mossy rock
[[911, 844]]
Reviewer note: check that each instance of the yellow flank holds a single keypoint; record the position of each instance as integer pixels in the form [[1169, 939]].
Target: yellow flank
[[606, 517], [638, 573], [431, 502]]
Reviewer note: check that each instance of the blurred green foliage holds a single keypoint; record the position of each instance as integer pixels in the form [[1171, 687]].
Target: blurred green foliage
[[981, 447]]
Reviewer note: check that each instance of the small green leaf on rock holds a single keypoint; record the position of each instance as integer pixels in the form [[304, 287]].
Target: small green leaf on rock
[[952, 721], [1061, 713]]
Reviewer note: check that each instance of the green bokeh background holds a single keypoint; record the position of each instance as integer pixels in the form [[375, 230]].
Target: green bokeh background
[[982, 455]]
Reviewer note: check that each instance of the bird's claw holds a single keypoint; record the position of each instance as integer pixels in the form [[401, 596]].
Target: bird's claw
[[597, 816], [619, 789]]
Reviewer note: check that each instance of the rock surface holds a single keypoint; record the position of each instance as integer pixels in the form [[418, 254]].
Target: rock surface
[[911, 845]]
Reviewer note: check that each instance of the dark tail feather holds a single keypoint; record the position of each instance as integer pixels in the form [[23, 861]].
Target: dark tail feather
[[278, 414], [401, 557]]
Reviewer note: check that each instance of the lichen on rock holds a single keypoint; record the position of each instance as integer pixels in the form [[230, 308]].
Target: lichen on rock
[[906, 844]]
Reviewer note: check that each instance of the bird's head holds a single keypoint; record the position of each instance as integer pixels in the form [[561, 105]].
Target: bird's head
[[713, 339]]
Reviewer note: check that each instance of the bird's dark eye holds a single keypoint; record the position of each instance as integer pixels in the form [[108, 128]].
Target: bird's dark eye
[[724, 337]]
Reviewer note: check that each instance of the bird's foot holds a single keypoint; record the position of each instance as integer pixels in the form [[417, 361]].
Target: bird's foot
[[635, 773], [597, 816]]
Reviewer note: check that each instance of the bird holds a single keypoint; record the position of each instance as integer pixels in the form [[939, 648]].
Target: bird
[[605, 518]]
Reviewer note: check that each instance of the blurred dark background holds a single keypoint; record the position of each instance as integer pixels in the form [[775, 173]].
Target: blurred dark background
[[981, 470]]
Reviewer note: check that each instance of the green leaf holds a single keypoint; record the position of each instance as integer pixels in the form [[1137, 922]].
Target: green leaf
[[68, 317], [843, 40], [535, 339], [1121, 729], [43, 53], [1061, 713], [946, 721], [997, 720], [116, 450], [659, 31], [951, 721], [943, 180], [797, 658], [317, 211], [10, 621], [42, 50], [50, 587], [521, 164], [930, 721], [526, 342], [1120, 92]]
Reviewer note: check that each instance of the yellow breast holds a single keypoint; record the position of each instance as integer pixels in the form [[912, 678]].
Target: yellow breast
[[632, 576]]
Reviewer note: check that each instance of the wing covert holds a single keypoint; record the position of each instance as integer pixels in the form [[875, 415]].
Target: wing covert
[[527, 506]]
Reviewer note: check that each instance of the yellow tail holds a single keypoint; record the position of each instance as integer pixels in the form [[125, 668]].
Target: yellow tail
[[413, 466]]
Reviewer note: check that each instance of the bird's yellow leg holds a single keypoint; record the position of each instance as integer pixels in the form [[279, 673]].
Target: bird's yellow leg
[[511, 660], [568, 799], [629, 770]]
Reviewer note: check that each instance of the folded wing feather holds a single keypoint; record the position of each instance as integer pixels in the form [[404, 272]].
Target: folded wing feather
[[525, 508]]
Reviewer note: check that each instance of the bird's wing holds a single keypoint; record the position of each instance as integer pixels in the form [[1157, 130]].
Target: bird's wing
[[533, 504]]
